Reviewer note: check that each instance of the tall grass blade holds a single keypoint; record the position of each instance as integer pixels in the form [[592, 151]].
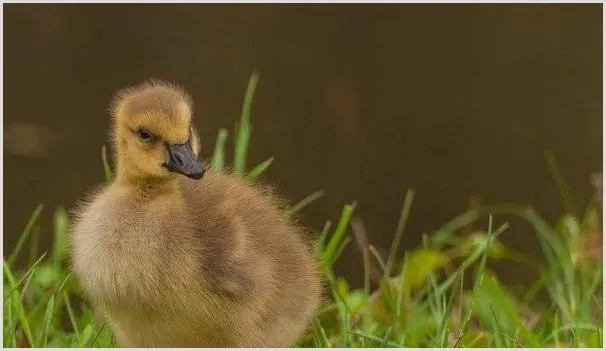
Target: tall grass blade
[[321, 241], [26, 276], [99, 334], [513, 314], [244, 128], [71, 315], [321, 333], [483, 251], [497, 328], [448, 312], [85, 336], [340, 250], [25, 234], [60, 244], [59, 290], [9, 325], [218, 158], [479, 274], [590, 293], [337, 237], [48, 317], [106, 168], [20, 310], [373, 250], [359, 231], [395, 245]]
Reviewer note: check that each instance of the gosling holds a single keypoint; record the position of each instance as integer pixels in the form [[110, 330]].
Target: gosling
[[176, 255]]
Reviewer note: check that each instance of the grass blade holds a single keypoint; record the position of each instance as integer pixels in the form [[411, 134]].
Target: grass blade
[[498, 330], [60, 245], [374, 338], [377, 255], [70, 315], [340, 250], [244, 128], [448, 311], [594, 285], [218, 158], [48, 314], [25, 234], [9, 325], [337, 237], [106, 168], [483, 252], [63, 283], [400, 230], [321, 241], [99, 334], [260, 168], [570, 327], [357, 226], [85, 336], [321, 334], [516, 342], [27, 274], [306, 201], [479, 274], [386, 338], [20, 311], [512, 313]]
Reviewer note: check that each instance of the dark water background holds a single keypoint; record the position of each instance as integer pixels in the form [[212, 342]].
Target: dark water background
[[363, 101]]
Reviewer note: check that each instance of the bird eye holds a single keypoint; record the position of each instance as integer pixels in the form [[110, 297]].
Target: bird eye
[[144, 135]]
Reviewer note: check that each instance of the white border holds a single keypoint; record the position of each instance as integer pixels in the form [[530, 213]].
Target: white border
[[269, 2], [603, 162], [306, 2]]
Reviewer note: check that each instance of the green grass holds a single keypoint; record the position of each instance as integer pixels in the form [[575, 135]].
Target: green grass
[[444, 293]]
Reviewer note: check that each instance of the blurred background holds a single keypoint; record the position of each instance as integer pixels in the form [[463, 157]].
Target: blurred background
[[363, 101]]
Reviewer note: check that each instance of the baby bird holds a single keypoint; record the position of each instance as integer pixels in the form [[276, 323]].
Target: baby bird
[[176, 255]]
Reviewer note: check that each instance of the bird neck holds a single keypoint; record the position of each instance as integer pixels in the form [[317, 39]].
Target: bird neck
[[148, 188]]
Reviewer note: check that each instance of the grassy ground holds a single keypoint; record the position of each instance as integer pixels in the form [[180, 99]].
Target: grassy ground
[[443, 294]]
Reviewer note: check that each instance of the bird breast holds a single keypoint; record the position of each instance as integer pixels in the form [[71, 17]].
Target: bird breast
[[123, 254]]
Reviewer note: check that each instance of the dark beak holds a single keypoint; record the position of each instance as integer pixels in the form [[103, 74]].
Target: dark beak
[[181, 159]]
